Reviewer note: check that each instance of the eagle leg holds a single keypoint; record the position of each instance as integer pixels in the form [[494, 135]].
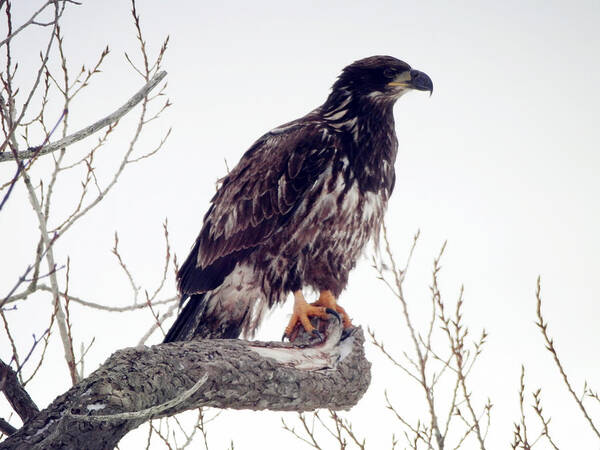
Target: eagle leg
[[302, 312], [327, 300]]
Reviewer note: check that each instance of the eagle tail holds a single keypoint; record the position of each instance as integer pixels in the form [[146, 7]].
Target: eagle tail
[[184, 328], [196, 321]]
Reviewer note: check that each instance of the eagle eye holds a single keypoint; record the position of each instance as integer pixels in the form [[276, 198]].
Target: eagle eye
[[389, 72]]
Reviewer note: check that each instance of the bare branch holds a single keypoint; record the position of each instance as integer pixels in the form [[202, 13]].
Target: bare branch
[[24, 167], [399, 276], [159, 321], [539, 412], [11, 119], [91, 129], [543, 326], [15, 354], [313, 441], [95, 305], [32, 20], [46, 338], [18, 397], [34, 279], [134, 286], [521, 407], [6, 427]]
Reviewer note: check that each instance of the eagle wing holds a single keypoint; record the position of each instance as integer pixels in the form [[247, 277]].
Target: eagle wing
[[255, 201]]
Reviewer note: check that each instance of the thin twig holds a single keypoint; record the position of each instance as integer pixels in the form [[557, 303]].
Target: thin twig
[[91, 129], [32, 20], [521, 406], [543, 326], [537, 407]]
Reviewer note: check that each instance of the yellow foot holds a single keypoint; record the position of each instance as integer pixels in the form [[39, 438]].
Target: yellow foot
[[327, 300], [302, 312]]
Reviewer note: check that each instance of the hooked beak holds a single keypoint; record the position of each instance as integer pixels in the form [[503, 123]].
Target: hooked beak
[[414, 79]]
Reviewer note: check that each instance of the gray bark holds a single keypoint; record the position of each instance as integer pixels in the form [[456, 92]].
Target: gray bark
[[137, 384]]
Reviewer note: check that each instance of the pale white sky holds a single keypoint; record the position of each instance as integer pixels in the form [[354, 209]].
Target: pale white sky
[[502, 161]]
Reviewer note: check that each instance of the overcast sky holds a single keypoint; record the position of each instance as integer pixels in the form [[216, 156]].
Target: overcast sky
[[502, 162]]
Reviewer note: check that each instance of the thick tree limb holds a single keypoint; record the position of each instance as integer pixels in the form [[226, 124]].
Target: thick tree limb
[[6, 427], [91, 129], [18, 398], [137, 384]]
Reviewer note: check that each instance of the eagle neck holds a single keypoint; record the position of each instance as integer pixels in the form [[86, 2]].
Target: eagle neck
[[375, 146], [365, 124]]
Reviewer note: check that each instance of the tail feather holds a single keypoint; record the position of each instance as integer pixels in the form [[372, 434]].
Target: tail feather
[[195, 321], [184, 327]]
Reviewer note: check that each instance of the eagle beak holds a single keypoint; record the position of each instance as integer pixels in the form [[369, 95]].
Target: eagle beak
[[421, 81], [414, 79]]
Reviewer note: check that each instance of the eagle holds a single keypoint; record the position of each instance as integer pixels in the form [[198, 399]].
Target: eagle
[[297, 210]]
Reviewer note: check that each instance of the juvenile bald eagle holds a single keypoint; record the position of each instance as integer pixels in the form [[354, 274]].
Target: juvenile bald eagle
[[298, 209]]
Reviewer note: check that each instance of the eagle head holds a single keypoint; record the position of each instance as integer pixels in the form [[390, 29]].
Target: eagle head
[[381, 77]]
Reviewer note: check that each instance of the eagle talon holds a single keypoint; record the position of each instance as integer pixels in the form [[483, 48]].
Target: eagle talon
[[346, 333], [334, 313], [301, 316], [327, 299], [318, 334]]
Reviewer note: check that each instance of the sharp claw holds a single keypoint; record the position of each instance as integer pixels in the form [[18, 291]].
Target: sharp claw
[[346, 332], [333, 312], [316, 333]]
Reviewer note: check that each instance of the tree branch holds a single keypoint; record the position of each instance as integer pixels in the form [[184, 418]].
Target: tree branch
[[32, 20], [6, 427], [91, 129], [18, 397], [141, 383]]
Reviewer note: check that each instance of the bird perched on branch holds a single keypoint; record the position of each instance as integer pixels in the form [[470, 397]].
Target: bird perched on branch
[[297, 209]]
